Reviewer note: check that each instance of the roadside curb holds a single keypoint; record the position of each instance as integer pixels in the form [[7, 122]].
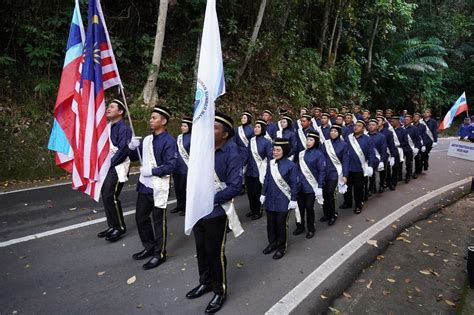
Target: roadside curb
[[337, 273]]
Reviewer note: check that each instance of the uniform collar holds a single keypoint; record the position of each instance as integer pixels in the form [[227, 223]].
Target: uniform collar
[[225, 146]]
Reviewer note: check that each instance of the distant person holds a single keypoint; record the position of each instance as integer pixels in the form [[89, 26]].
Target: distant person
[[464, 131], [432, 131], [272, 128], [120, 135]]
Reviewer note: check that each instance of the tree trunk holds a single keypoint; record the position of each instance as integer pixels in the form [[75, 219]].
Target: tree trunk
[[333, 32], [150, 95], [196, 63], [336, 45], [371, 45], [324, 28], [284, 17], [253, 39]]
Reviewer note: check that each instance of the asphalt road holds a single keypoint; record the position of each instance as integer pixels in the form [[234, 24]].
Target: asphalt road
[[74, 272]]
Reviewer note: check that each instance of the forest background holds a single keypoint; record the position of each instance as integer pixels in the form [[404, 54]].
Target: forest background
[[277, 53]]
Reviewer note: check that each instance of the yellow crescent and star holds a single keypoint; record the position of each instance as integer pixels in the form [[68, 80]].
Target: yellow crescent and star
[[96, 51]]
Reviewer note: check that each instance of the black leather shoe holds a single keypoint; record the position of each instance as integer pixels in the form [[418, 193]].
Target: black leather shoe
[[332, 220], [392, 188], [182, 213], [407, 180], [175, 210], [310, 234], [269, 249], [345, 206], [198, 291], [278, 254], [358, 210], [216, 304], [104, 233], [154, 262], [298, 231], [249, 214], [324, 218], [381, 189], [143, 254], [256, 216], [114, 235], [415, 176]]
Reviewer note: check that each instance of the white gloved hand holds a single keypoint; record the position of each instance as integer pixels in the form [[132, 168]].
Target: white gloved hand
[[381, 166], [292, 205], [423, 149], [370, 171], [435, 144], [146, 171], [342, 188], [262, 199], [391, 161], [415, 151], [318, 192], [134, 143], [113, 149]]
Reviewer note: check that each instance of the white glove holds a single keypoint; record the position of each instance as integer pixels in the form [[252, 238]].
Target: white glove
[[134, 143], [415, 151], [381, 166], [391, 161], [292, 205], [113, 149], [435, 144], [262, 199], [423, 149], [342, 188], [370, 171], [145, 171], [318, 192]]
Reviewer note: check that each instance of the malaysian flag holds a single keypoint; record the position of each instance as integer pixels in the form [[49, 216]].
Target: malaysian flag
[[99, 72]]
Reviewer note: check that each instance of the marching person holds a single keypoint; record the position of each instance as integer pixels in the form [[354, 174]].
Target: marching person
[[337, 170], [259, 154], [180, 174], [404, 149], [349, 124], [325, 128], [357, 112], [414, 141], [287, 132], [388, 113], [279, 193], [344, 110], [242, 136], [332, 115], [361, 164], [302, 133], [271, 126], [316, 120], [159, 155], [297, 123], [425, 141], [366, 116], [380, 148], [393, 159], [210, 232], [432, 131], [312, 167], [120, 135]]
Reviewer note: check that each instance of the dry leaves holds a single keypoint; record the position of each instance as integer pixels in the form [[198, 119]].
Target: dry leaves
[[373, 243], [347, 295], [385, 293], [239, 265], [323, 297], [380, 257], [401, 238], [391, 280], [334, 310], [450, 303], [101, 273], [369, 286], [131, 280]]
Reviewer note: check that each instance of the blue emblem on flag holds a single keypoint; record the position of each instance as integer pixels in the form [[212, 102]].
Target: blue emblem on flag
[[201, 101]]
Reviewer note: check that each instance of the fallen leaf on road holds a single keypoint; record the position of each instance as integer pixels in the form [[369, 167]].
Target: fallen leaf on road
[[239, 265], [385, 292], [131, 280], [361, 280], [391, 280], [101, 273], [369, 286], [407, 280], [450, 303], [27, 266], [434, 273], [349, 226], [369, 220], [397, 267], [372, 242], [417, 289], [425, 272], [334, 310], [394, 226], [322, 296], [380, 257], [72, 209], [139, 306], [439, 297], [347, 295], [424, 244], [401, 238], [431, 254], [445, 260], [429, 221], [417, 227]]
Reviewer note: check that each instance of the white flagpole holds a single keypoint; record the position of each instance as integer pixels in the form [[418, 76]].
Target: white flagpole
[[129, 119]]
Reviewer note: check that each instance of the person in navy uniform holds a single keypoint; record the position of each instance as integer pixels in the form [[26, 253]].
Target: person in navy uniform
[[332, 115], [302, 133], [153, 236], [404, 145], [316, 163], [180, 173], [276, 202], [332, 176], [340, 121], [464, 130], [356, 179], [120, 135], [317, 111], [210, 231], [253, 176], [344, 110], [287, 132], [357, 112], [392, 160], [415, 137], [380, 145], [366, 116], [325, 128], [388, 114], [432, 125], [425, 141], [242, 136], [272, 128], [349, 124]]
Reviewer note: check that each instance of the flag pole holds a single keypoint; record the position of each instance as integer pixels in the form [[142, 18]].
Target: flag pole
[[130, 119]]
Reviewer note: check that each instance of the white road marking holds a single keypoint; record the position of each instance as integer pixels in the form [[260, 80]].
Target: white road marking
[[292, 299], [63, 229]]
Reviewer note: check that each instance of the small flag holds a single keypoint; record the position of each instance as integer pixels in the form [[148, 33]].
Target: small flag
[[210, 85], [458, 107]]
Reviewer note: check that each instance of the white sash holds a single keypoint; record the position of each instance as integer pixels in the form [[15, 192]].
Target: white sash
[[428, 130], [410, 141], [283, 186], [358, 150], [279, 125], [309, 175], [160, 185], [334, 159], [298, 122], [122, 168], [321, 134], [377, 154], [397, 144], [229, 208], [267, 136], [182, 151], [302, 137], [261, 163], [242, 136], [315, 123], [279, 133]]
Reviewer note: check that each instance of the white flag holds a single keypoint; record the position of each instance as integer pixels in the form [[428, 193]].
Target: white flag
[[210, 85]]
